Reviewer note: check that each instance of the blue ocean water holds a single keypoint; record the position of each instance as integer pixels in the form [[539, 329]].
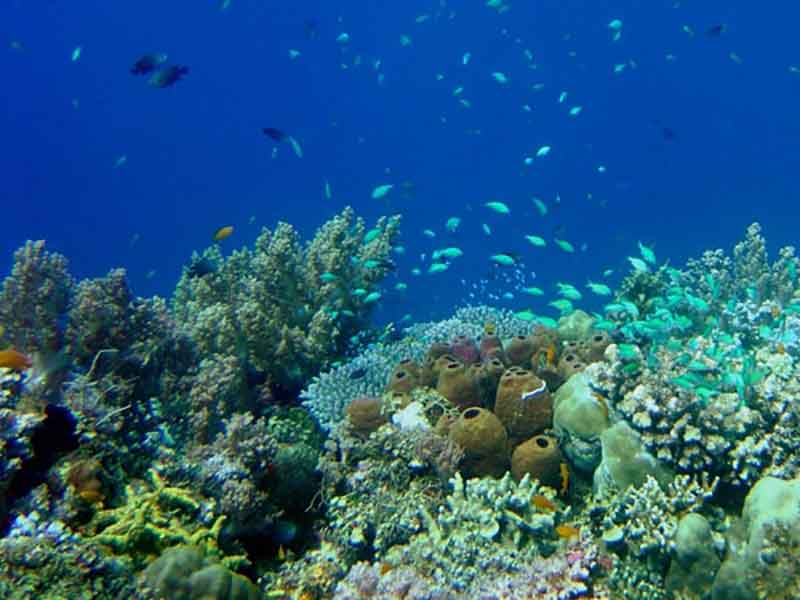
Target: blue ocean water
[[693, 139]]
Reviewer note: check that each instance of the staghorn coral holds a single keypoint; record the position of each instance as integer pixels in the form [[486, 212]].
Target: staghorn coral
[[157, 516], [270, 307], [373, 491], [34, 300], [644, 519], [485, 527]]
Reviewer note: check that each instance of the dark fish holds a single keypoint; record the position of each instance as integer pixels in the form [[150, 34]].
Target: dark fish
[[168, 76], [716, 30], [200, 267], [275, 134], [358, 373], [311, 29], [667, 133], [148, 63]]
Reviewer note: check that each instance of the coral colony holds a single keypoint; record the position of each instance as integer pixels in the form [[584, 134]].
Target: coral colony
[[248, 439]]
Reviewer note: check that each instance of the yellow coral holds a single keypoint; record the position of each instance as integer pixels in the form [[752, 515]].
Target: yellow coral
[[155, 517]]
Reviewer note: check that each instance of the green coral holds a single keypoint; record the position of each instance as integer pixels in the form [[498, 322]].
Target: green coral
[[284, 308], [183, 573], [157, 516]]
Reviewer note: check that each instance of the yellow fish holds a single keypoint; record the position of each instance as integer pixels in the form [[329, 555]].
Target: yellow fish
[[223, 233]]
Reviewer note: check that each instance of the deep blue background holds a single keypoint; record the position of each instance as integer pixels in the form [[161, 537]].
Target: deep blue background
[[197, 159]]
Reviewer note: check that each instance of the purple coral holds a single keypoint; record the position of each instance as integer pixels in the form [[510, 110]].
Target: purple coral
[[381, 582], [562, 576], [465, 349]]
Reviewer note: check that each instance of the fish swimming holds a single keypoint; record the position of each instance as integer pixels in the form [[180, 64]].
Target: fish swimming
[[200, 266], [168, 76], [275, 134], [222, 233], [14, 360], [147, 63]]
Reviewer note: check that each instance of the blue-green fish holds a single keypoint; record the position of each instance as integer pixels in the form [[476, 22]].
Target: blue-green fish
[[562, 304], [371, 235], [600, 289], [536, 240], [638, 265], [502, 259], [569, 291], [533, 291], [647, 253], [372, 297], [540, 205], [498, 207], [381, 190], [452, 224], [564, 245], [547, 322], [327, 277], [429, 233], [447, 253], [437, 267]]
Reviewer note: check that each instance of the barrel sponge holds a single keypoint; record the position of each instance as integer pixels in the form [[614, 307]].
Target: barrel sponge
[[520, 349], [538, 457], [181, 573], [479, 432], [593, 348], [404, 377], [459, 385], [523, 403], [465, 349], [490, 345], [569, 364], [484, 440]]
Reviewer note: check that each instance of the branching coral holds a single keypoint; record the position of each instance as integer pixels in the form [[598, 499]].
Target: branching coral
[[34, 299], [285, 309], [157, 516], [485, 527]]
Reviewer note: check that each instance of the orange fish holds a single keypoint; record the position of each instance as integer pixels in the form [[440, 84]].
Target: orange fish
[[564, 468], [543, 503], [566, 532], [551, 355], [223, 233], [14, 360]]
